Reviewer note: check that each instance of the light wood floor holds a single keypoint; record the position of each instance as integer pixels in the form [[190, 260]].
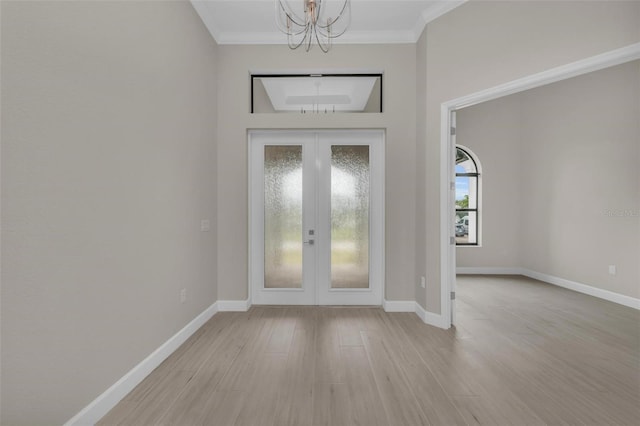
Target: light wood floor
[[522, 353]]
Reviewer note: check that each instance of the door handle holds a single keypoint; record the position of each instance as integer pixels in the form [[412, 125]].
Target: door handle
[[310, 242]]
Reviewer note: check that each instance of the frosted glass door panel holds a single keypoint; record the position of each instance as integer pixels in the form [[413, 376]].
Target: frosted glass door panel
[[350, 187], [316, 217], [283, 216]]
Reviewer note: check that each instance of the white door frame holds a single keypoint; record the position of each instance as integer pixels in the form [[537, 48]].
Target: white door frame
[[447, 164], [323, 295]]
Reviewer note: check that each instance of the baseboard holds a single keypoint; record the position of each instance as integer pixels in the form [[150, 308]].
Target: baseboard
[[618, 298], [105, 402], [399, 305], [488, 271], [411, 306], [429, 318], [234, 305], [621, 299], [93, 412]]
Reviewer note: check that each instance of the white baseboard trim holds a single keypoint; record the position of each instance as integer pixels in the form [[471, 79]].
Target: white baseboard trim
[[600, 293], [234, 305], [398, 305], [100, 406], [411, 306], [621, 299], [429, 318], [488, 271]]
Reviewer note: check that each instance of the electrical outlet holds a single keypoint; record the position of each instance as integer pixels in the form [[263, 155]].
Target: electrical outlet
[[423, 282], [183, 295], [205, 225], [612, 269]]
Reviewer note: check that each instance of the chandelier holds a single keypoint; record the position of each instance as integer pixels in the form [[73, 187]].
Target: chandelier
[[315, 21]]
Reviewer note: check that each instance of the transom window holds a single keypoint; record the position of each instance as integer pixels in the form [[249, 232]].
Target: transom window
[[467, 197]]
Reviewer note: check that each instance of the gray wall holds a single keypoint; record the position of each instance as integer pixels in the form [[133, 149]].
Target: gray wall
[[580, 156], [398, 64], [483, 44], [561, 187], [420, 293], [492, 132], [108, 166]]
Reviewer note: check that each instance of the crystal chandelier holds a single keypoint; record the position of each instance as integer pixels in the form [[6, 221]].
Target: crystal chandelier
[[316, 21]]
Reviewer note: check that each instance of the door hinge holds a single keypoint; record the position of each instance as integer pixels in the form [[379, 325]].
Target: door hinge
[[453, 131], [452, 240], [452, 185], [453, 295]]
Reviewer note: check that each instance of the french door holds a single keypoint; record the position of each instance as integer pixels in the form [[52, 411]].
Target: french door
[[316, 217]]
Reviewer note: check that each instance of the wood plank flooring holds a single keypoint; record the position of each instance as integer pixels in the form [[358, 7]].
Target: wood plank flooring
[[522, 353]]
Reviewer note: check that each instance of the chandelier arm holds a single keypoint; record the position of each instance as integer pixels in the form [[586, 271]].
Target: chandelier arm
[[329, 35], [290, 31], [291, 23], [299, 33], [310, 40], [293, 18], [346, 4], [284, 28], [294, 45], [290, 13], [326, 48]]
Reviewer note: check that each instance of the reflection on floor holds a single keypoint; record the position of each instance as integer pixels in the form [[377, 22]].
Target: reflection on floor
[[342, 276], [522, 353]]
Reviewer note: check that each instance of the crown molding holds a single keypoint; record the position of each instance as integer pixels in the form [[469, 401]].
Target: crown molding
[[351, 37], [206, 17], [434, 13]]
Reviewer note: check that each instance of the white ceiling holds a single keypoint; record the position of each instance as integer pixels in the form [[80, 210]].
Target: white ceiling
[[372, 21]]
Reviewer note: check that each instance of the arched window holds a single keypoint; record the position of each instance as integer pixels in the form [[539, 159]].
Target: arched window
[[467, 198]]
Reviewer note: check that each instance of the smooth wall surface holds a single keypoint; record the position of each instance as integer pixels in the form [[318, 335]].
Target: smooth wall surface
[[581, 180], [421, 172], [482, 44], [492, 132], [398, 119], [108, 166]]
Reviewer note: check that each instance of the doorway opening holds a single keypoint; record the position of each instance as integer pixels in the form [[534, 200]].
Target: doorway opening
[[448, 148]]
